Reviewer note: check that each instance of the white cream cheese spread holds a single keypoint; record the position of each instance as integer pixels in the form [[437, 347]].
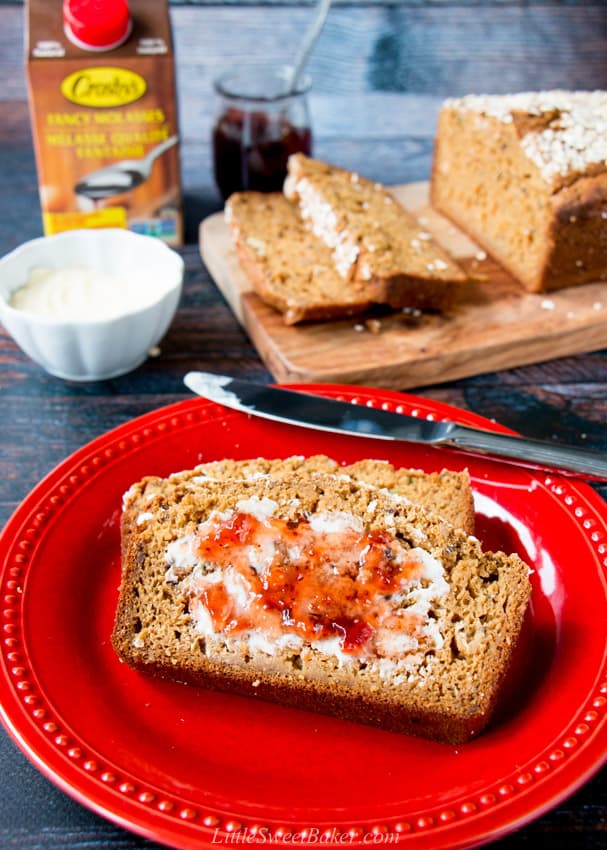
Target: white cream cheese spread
[[83, 294]]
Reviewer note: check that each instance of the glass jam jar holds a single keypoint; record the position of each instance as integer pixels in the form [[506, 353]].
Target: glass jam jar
[[259, 125]]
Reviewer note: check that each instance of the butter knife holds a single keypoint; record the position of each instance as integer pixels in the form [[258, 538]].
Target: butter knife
[[325, 414]]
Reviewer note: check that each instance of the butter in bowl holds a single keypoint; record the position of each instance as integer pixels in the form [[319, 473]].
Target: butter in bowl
[[89, 305]]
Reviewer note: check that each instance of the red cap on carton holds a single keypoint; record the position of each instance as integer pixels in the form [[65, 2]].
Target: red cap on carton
[[96, 24]]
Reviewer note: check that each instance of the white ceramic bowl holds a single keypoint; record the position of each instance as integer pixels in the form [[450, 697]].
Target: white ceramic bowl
[[97, 349]]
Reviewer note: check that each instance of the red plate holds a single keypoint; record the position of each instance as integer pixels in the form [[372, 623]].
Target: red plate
[[184, 766]]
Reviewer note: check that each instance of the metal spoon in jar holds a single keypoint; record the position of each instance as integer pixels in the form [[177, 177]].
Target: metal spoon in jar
[[318, 22], [121, 176]]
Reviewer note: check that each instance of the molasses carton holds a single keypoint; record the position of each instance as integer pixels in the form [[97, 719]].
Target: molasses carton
[[104, 116]]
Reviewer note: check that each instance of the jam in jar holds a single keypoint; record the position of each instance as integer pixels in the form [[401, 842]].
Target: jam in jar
[[260, 124]]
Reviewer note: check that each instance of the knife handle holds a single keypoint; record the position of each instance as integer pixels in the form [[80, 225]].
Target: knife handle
[[534, 452]]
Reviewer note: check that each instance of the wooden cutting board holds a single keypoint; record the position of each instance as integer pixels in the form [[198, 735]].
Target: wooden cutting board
[[496, 325]]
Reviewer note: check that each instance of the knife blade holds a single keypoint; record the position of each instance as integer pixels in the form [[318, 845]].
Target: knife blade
[[326, 414]]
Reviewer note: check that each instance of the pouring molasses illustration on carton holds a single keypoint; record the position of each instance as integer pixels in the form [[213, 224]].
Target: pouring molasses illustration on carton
[[104, 116]]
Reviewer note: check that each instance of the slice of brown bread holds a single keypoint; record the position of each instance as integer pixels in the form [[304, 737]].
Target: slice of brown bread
[[287, 266], [446, 493], [374, 240], [390, 616]]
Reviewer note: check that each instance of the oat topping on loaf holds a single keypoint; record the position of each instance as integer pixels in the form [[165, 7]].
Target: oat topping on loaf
[[526, 176], [316, 590], [571, 136]]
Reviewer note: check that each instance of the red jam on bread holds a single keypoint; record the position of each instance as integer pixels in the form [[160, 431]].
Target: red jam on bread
[[320, 578]]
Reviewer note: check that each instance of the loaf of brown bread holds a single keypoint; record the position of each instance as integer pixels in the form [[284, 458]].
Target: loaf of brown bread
[[526, 176], [373, 239], [320, 591]]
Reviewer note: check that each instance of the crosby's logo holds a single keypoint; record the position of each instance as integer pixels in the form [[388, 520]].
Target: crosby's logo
[[103, 87]]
